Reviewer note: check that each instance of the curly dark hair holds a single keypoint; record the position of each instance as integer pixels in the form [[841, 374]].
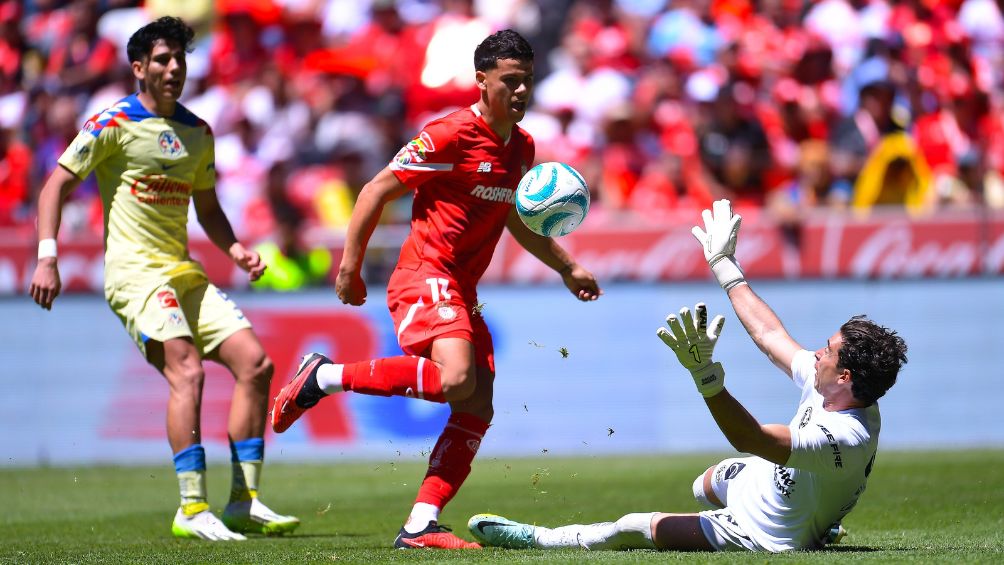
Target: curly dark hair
[[170, 29], [505, 44], [873, 354]]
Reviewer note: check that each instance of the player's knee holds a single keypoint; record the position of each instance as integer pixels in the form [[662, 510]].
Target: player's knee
[[263, 369], [187, 380], [701, 491], [459, 385]]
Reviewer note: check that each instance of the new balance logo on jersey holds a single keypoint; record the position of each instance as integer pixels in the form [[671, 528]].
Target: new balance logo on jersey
[[485, 167], [494, 193]]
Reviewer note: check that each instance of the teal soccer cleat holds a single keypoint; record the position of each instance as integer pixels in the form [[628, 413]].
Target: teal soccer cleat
[[493, 530]]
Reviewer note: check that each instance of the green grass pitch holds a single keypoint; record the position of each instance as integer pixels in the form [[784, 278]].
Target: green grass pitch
[[924, 507]]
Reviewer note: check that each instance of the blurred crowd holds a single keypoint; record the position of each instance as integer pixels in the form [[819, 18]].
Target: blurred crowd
[[781, 105]]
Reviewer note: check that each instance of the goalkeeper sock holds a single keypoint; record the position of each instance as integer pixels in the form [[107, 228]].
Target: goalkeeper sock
[[632, 531], [190, 466], [246, 458], [411, 376], [450, 461]]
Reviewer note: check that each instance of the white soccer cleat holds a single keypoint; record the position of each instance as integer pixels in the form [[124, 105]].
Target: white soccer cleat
[[253, 516], [493, 530], [203, 525]]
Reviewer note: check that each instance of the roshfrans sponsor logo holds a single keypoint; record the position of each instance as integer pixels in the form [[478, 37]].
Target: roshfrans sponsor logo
[[494, 193]]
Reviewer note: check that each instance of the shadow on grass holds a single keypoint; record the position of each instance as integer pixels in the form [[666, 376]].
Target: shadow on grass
[[851, 549]]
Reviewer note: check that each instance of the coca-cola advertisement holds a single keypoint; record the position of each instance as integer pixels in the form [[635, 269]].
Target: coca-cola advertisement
[[829, 246]]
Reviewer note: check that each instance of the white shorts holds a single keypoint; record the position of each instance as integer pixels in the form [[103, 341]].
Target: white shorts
[[723, 533], [719, 526]]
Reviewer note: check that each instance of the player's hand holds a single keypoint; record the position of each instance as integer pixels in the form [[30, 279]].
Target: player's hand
[[694, 341], [45, 283], [581, 282], [249, 260], [350, 288], [719, 238]]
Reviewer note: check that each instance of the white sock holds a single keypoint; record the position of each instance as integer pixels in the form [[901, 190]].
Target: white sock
[[558, 538], [329, 378], [633, 531], [421, 514]]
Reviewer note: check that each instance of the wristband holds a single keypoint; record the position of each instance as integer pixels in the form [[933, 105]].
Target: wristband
[[710, 379], [727, 271], [46, 248]]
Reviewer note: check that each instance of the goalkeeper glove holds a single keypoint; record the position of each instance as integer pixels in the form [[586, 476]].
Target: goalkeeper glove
[[719, 242], [694, 342]]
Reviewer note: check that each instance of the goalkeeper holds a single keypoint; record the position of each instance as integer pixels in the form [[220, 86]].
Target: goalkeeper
[[801, 478]]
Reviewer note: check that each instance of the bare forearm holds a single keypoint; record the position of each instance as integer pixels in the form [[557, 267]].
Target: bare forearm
[[763, 325], [219, 230], [745, 433], [549, 252], [543, 248]]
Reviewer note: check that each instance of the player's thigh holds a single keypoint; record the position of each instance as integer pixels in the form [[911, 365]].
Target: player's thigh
[[679, 532], [178, 360], [213, 317], [243, 354]]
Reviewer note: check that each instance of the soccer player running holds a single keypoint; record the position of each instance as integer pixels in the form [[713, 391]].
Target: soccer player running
[[152, 156], [463, 169], [801, 479]]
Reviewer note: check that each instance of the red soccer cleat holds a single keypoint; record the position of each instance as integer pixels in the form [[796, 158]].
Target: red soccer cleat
[[433, 536], [299, 394]]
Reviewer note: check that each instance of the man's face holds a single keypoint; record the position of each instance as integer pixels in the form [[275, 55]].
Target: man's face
[[827, 357], [164, 71], [508, 88]]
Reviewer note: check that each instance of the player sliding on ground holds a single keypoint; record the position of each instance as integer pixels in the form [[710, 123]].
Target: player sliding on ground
[[463, 170], [803, 477], [152, 156]]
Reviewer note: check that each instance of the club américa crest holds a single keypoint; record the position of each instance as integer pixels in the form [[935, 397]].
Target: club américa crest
[[170, 144]]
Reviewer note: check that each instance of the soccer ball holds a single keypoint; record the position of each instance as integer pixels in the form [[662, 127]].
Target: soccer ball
[[552, 199]]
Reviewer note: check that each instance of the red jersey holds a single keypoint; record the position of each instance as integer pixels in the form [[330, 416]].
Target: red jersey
[[464, 176]]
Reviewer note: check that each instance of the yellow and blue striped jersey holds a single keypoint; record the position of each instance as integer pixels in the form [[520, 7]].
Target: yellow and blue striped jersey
[[147, 167]]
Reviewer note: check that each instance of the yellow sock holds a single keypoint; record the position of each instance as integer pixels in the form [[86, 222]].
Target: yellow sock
[[245, 480], [193, 492]]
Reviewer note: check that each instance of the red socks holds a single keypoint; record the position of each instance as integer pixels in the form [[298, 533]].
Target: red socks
[[418, 377], [450, 462], [411, 376]]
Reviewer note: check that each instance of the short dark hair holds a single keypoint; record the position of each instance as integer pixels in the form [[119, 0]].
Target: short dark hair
[[873, 354], [505, 44], [168, 28]]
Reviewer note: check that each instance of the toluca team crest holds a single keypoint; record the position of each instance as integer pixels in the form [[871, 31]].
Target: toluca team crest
[[170, 144]]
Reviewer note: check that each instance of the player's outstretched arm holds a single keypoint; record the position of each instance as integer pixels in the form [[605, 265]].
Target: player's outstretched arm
[[693, 341], [764, 327], [719, 238], [45, 283], [383, 188], [221, 233], [577, 278]]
